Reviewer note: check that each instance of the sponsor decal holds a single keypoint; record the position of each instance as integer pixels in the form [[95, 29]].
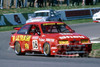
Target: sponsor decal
[[64, 37], [51, 40], [41, 39], [60, 23], [65, 33], [23, 38], [49, 24], [13, 38], [35, 44], [43, 35], [35, 37], [26, 46], [52, 24], [53, 47]]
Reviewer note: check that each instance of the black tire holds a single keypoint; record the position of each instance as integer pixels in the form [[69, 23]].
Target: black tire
[[46, 49], [17, 49], [84, 55]]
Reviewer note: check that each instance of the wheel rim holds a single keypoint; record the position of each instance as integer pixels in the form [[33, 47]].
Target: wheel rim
[[17, 48], [46, 49]]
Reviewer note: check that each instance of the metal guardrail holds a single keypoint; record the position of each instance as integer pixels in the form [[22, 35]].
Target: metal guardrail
[[73, 14]]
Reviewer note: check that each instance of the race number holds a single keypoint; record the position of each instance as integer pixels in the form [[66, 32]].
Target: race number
[[35, 44]]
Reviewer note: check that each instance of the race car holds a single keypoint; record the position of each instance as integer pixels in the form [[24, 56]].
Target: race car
[[96, 17], [45, 15], [49, 38]]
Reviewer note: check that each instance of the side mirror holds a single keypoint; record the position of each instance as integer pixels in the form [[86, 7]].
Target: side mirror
[[17, 28]]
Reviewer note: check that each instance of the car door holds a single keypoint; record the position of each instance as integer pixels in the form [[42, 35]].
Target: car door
[[34, 32]]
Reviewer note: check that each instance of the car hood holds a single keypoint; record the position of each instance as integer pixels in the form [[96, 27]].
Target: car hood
[[97, 14], [36, 19], [66, 36]]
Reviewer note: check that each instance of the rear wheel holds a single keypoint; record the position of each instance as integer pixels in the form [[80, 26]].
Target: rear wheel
[[17, 49], [46, 49]]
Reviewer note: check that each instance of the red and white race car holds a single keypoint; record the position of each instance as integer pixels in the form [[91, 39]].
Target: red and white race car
[[49, 38]]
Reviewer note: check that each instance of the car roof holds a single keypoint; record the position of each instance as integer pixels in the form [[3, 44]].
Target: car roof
[[42, 11], [39, 23]]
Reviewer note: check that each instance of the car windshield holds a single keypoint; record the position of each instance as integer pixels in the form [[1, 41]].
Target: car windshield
[[42, 14], [54, 28]]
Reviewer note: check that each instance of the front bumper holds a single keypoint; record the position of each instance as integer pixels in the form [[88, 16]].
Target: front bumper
[[11, 45], [72, 49], [96, 19]]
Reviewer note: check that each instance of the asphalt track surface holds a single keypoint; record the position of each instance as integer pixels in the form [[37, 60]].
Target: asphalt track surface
[[9, 59]]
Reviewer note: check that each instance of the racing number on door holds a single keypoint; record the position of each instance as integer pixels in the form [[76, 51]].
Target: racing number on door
[[35, 44]]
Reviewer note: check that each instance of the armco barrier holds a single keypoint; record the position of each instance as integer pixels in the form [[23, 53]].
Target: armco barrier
[[12, 19], [71, 14]]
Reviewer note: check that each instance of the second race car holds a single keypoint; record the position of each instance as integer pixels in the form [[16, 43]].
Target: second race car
[[45, 15]]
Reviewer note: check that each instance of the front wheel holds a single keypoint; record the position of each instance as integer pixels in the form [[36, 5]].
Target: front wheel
[[17, 49], [46, 49]]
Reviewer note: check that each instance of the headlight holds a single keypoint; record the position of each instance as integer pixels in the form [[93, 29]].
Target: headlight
[[84, 41], [64, 42]]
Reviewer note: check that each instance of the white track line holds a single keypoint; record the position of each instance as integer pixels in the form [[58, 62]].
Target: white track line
[[94, 38], [95, 41]]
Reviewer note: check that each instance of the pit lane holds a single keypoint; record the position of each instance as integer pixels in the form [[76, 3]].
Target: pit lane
[[9, 59]]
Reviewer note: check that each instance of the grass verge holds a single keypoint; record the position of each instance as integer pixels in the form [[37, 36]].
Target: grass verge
[[95, 50], [8, 28]]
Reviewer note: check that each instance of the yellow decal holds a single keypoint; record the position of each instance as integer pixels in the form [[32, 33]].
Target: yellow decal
[[49, 24], [13, 38], [23, 38], [26, 46], [17, 38], [60, 23], [27, 38]]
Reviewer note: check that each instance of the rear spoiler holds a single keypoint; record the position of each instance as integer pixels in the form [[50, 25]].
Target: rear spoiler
[[17, 28]]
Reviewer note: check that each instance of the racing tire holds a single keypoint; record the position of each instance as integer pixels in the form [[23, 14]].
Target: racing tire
[[46, 49], [17, 49], [84, 55]]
